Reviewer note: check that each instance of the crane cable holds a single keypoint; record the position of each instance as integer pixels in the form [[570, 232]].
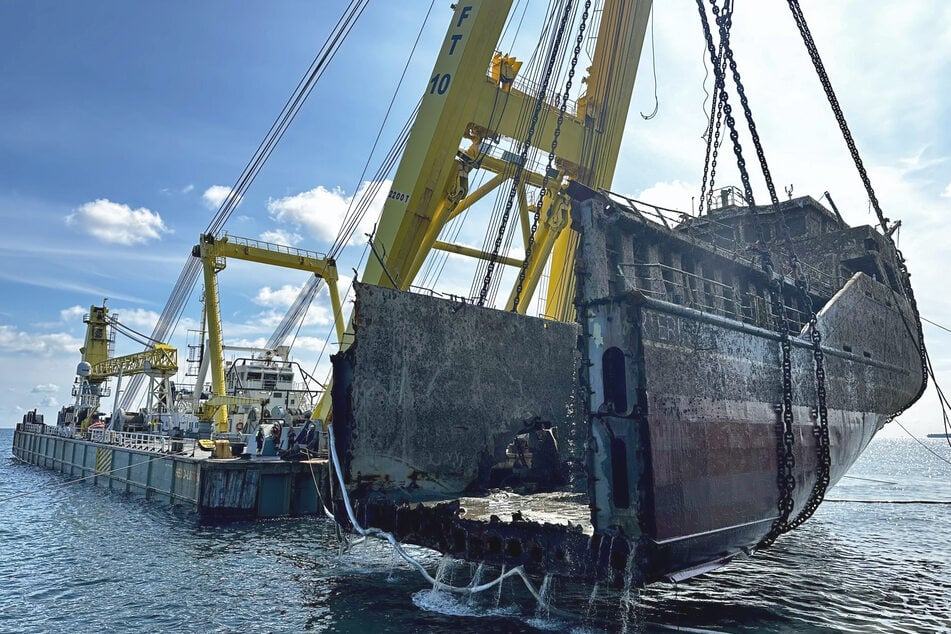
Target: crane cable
[[188, 277], [526, 144], [357, 207], [551, 155]]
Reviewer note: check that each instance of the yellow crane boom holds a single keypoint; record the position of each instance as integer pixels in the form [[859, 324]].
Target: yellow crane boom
[[162, 360], [461, 104]]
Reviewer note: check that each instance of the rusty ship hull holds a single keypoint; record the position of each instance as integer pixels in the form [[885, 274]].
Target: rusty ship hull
[[666, 446]]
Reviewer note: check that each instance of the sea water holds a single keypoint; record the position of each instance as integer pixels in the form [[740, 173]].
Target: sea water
[[876, 557]]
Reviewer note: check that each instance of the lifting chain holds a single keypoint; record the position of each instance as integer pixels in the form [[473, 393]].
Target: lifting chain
[[904, 276], [785, 457], [551, 155], [713, 141], [523, 158], [821, 428], [724, 23]]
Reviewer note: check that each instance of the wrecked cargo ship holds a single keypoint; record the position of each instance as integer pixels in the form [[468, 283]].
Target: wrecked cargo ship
[[681, 443], [696, 382]]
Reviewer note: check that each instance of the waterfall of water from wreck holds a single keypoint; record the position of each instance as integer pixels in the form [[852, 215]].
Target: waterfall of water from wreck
[[591, 600], [627, 600], [476, 580], [498, 594], [441, 571], [543, 611]]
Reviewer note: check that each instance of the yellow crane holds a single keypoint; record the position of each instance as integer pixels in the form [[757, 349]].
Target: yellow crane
[[214, 253], [461, 105], [159, 362]]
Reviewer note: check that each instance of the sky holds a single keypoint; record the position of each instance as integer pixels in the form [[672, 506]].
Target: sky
[[123, 125]]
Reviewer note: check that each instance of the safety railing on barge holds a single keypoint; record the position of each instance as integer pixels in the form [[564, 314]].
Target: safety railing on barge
[[129, 440]]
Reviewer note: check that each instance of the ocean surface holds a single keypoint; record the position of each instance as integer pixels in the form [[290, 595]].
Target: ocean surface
[[876, 557]]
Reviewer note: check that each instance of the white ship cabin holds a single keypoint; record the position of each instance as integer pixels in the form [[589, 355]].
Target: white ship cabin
[[265, 379]]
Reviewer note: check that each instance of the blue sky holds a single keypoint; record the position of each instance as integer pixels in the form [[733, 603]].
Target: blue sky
[[147, 112]]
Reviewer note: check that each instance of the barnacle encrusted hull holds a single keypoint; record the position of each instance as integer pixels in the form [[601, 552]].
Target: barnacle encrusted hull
[[673, 469]]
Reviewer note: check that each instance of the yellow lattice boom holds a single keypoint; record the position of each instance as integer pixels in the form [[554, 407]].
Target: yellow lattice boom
[[162, 360]]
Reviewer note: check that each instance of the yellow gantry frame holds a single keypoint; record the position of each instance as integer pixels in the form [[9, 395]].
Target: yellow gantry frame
[[462, 101], [214, 253], [162, 360]]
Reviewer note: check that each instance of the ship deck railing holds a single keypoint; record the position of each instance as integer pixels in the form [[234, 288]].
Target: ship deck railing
[[130, 440], [708, 295], [720, 236]]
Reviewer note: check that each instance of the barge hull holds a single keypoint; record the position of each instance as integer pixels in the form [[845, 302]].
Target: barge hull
[[226, 489]]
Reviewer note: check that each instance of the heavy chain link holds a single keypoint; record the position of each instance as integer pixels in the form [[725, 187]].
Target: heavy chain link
[[523, 158], [713, 143], [821, 426], [726, 21], [551, 155], [785, 458], [904, 276]]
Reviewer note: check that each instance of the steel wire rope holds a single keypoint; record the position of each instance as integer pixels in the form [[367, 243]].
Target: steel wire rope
[[352, 221], [551, 58], [531, 159], [653, 113], [591, 142], [395, 151], [276, 134], [518, 28], [174, 307], [562, 106], [531, 74], [336, 247], [918, 440], [293, 316], [346, 297], [356, 209], [563, 76], [436, 263], [132, 334]]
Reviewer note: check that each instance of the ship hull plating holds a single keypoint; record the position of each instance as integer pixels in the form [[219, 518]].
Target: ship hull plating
[[675, 464]]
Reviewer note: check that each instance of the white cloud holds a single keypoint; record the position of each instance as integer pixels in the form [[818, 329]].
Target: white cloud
[[281, 297], [215, 195], [280, 236], [947, 192], [46, 345], [322, 211], [72, 315], [672, 195], [137, 318], [45, 388], [187, 189], [117, 223]]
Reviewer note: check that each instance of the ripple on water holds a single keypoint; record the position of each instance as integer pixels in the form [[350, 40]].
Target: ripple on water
[[80, 559]]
